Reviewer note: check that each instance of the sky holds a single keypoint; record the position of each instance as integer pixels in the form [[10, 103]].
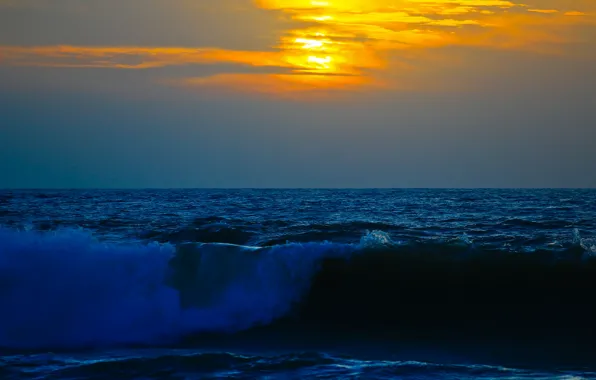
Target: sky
[[297, 93]]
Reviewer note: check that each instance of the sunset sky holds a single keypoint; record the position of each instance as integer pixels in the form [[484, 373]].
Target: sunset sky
[[297, 93]]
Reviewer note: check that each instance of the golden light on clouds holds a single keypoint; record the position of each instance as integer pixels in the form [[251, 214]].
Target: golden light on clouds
[[337, 44]]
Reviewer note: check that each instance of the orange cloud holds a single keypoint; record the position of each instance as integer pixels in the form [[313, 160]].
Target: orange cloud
[[131, 57], [575, 13], [545, 11], [335, 45]]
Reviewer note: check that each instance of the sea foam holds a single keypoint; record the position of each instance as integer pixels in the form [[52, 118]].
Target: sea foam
[[66, 289]]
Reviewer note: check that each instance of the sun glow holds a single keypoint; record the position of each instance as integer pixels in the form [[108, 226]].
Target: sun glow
[[350, 38]]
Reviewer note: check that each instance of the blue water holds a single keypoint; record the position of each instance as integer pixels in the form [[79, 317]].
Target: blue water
[[187, 284]]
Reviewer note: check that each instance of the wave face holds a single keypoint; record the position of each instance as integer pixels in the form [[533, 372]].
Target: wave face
[[456, 293]]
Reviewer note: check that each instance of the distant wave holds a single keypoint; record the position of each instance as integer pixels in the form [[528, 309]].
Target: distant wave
[[211, 233], [515, 232], [65, 289], [242, 232]]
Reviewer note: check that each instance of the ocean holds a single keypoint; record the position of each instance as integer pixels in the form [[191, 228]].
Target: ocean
[[293, 284]]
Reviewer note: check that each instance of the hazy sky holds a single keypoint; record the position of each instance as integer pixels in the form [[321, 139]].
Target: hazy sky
[[297, 93]]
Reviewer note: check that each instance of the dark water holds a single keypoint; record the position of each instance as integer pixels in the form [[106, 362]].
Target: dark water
[[188, 284]]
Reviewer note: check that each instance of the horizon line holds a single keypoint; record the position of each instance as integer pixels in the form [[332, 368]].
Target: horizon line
[[290, 188]]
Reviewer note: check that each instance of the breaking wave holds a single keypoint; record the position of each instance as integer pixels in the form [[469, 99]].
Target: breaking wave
[[65, 289]]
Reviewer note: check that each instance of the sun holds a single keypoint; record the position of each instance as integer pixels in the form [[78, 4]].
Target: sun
[[311, 44]]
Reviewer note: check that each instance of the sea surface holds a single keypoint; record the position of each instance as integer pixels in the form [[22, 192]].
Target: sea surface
[[293, 284]]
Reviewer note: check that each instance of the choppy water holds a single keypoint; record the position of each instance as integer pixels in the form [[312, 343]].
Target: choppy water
[[298, 283]]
